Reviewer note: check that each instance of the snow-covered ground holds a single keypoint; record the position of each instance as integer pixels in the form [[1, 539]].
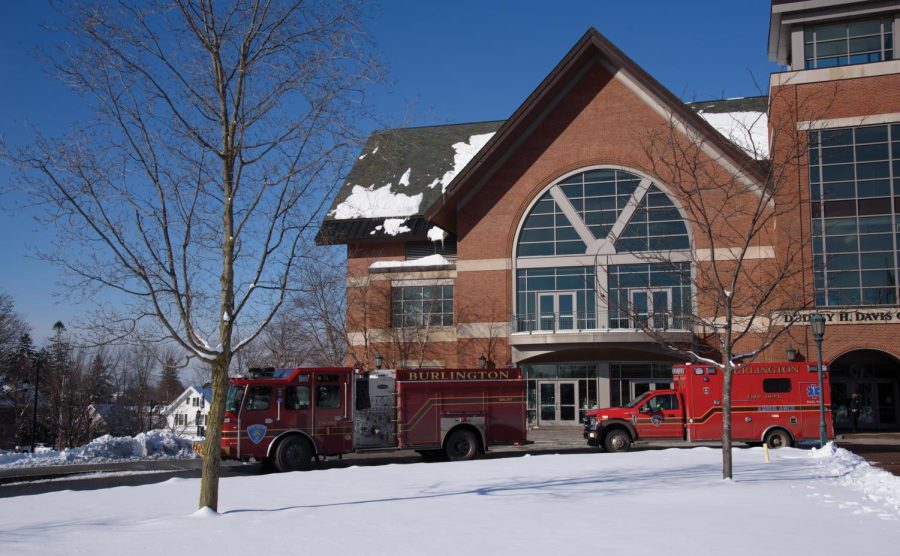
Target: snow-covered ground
[[157, 444], [670, 502]]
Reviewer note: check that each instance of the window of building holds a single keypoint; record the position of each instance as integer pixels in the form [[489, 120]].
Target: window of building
[[654, 296], [547, 231], [425, 305], [847, 43], [656, 225], [854, 176], [599, 196], [555, 299], [630, 220]]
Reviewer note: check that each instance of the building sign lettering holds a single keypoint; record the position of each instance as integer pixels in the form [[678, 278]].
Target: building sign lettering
[[844, 316]]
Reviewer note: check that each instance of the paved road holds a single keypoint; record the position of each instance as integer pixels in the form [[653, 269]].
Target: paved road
[[882, 450]]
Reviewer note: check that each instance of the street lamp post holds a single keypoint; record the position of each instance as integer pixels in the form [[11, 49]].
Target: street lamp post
[[37, 378], [817, 326]]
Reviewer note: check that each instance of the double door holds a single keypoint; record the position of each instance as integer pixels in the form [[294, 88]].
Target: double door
[[558, 402], [556, 311], [651, 308]]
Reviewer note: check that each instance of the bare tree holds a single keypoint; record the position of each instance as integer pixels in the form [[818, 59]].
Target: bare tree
[[745, 271], [221, 128]]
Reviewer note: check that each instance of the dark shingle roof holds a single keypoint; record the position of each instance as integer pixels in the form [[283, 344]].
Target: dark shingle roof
[[748, 104], [428, 153]]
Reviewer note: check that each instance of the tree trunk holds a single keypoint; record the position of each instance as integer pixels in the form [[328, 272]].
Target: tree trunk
[[212, 457]]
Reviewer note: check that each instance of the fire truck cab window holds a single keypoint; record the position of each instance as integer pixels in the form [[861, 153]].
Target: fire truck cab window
[[296, 397], [328, 396], [776, 385], [660, 403], [258, 398], [235, 396]]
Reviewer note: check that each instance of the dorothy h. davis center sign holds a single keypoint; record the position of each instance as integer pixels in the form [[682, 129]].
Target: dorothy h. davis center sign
[[845, 316]]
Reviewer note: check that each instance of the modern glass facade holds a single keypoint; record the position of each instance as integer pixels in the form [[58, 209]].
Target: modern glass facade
[[854, 176]]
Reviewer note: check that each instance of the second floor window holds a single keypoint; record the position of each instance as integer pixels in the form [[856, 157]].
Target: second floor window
[[855, 214], [422, 305], [847, 43]]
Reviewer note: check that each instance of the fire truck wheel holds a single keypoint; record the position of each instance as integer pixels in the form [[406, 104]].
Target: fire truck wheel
[[617, 440], [778, 438], [461, 445], [293, 454]]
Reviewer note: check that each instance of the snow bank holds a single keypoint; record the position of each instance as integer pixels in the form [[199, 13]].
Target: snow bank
[[652, 502], [854, 472], [157, 444]]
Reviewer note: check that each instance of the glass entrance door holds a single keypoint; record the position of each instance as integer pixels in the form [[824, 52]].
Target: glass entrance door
[[558, 401], [556, 311], [650, 308]]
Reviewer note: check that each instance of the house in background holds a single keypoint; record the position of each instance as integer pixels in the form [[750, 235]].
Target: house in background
[[188, 413]]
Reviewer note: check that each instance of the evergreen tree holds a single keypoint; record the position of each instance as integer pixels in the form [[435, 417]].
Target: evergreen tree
[[170, 385], [100, 379]]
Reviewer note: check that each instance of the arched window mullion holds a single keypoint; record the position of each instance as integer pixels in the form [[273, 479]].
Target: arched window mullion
[[574, 218], [628, 211]]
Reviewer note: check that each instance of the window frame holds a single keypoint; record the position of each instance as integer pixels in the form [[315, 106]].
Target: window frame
[[409, 310], [845, 56]]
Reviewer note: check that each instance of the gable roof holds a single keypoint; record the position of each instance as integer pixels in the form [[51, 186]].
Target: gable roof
[[205, 391], [592, 48], [441, 164]]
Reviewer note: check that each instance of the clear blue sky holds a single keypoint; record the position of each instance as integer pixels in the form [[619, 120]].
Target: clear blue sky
[[456, 61]]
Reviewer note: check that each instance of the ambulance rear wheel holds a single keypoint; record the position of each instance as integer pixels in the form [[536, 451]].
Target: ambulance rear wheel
[[778, 438], [461, 445], [293, 454], [617, 441]]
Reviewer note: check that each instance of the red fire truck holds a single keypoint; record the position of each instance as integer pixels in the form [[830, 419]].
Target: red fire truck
[[290, 417], [772, 403]]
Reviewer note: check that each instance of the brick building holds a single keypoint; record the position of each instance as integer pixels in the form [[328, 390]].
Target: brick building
[[561, 242]]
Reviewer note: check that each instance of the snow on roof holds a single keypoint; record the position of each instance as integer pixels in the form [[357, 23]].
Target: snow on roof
[[430, 260], [404, 179], [436, 234], [392, 227], [747, 130], [372, 202], [465, 151]]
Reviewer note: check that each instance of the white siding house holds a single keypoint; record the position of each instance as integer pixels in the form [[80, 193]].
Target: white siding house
[[187, 414]]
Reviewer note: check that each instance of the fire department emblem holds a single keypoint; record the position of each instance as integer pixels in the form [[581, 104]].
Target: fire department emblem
[[656, 420], [812, 391], [256, 433]]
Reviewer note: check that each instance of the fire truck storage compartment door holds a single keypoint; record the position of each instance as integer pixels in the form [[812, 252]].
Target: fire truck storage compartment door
[[374, 426], [703, 396]]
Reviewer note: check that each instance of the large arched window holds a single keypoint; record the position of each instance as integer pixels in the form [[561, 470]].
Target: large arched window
[[603, 248]]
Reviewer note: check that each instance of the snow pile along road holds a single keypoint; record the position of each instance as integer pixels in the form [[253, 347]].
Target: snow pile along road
[[157, 444], [877, 485]]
